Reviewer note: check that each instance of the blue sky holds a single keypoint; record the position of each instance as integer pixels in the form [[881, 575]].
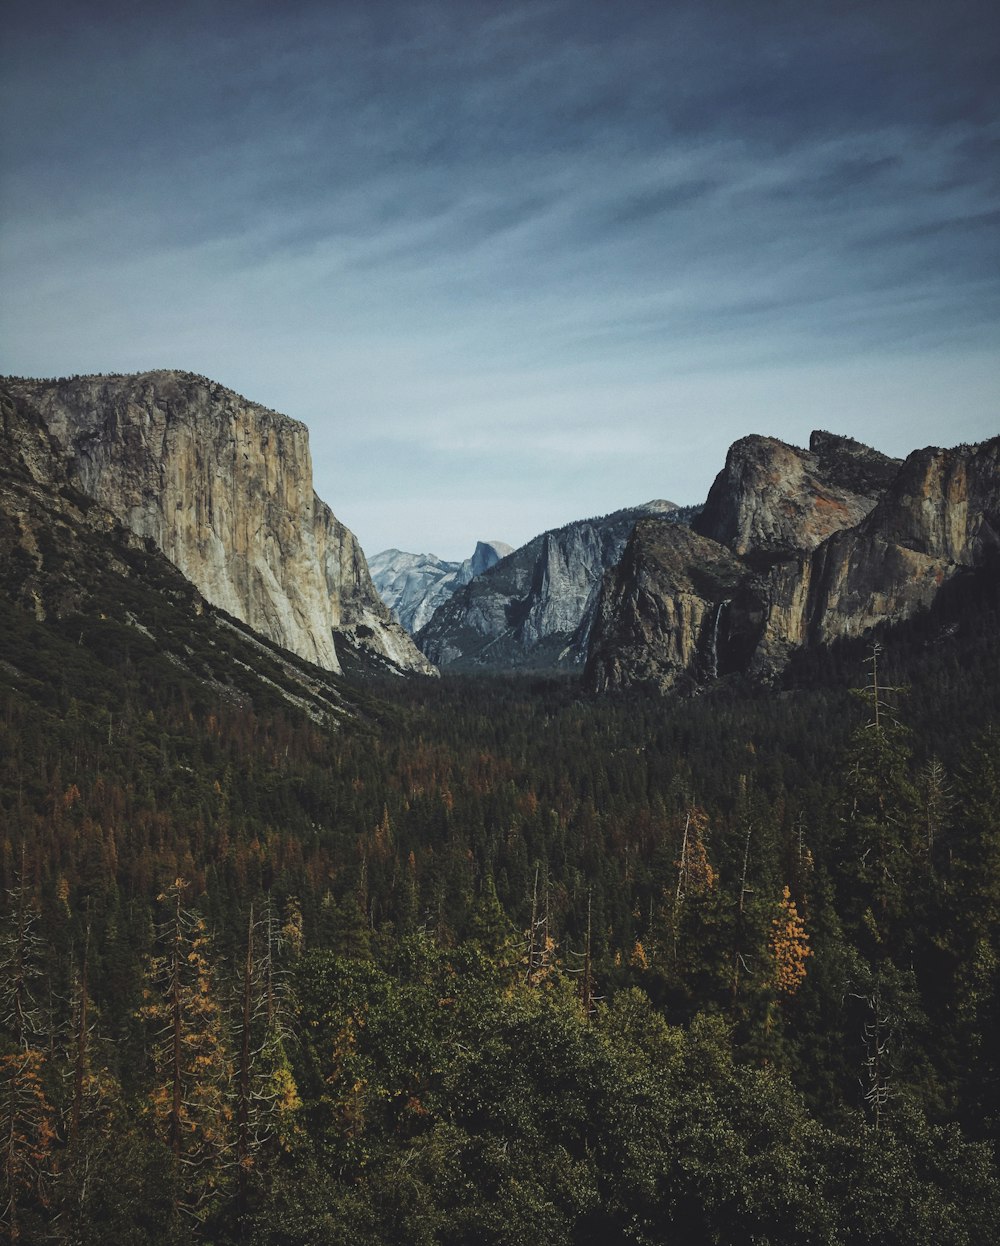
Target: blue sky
[[515, 263]]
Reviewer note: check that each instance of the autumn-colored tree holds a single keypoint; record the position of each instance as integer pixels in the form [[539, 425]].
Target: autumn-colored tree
[[695, 874], [292, 931], [27, 1119], [539, 958], [189, 1099], [265, 1094], [789, 946], [638, 959], [27, 1134], [696, 878]]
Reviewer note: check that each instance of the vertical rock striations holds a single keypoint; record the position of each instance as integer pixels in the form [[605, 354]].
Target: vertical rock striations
[[941, 515], [657, 623], [223, 487]]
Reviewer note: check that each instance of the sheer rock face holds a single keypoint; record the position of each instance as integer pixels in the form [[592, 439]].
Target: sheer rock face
[[772, 498], [940, 515], [658, 617], [414, 585], [533, 609], [223, 487], [682, 610]]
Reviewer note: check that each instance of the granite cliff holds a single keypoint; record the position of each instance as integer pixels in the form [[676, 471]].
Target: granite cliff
[[223, 487], [535, 607], [71, 572], [659, 610], [795, 548]]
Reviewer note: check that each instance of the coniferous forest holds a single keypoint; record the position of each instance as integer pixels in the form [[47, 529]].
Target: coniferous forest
[[486, 960]]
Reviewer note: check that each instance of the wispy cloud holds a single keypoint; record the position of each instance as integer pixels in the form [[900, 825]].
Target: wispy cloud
[[529, 243]]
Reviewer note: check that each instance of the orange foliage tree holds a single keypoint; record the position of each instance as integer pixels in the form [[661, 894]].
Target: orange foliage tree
[[789, 946]]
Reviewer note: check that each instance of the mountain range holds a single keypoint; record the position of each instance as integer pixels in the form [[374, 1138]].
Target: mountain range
[[293, 954], [795, 549], [414, 585], [534, 608], [170, 476]]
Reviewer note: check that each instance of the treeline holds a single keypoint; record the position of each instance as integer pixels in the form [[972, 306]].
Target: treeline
[[498, 963]]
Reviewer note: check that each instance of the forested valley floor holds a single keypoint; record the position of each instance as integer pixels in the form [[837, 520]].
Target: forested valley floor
[[490, 961]]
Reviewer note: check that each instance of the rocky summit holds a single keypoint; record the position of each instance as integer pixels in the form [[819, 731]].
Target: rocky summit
[[773, 499], [223, 487], [534, 609], [794, 549]]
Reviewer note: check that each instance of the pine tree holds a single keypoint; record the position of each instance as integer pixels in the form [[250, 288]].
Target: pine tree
[[881, 815], [27, 1119], [265, 1094], [20, 967], [489, 925]]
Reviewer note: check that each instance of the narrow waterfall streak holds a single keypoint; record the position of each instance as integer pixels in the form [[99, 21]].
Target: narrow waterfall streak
[[714, 651]]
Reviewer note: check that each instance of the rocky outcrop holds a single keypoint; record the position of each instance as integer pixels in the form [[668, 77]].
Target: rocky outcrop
[[657, 620], [683, 610], [38, 515], [772, 499], [414, 585], [223, 487], [534, 609]]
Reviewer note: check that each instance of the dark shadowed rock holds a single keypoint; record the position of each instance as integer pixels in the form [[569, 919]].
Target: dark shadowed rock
[[661, 610], [784, 570]]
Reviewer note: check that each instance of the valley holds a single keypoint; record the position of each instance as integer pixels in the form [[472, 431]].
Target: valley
[[672, 941]]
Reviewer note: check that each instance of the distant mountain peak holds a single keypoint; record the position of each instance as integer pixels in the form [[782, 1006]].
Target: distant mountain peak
[[414, 585]]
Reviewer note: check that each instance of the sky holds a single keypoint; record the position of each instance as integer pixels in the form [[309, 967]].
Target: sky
[[516, 263]]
